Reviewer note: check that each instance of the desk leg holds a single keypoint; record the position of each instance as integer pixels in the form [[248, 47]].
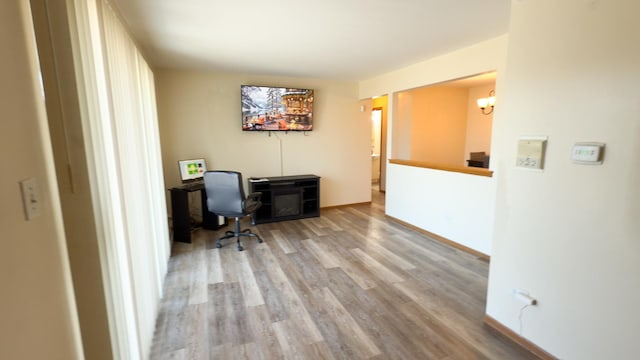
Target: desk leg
[[180, 214]]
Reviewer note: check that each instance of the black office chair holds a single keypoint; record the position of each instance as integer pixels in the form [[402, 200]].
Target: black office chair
[[225, 197]]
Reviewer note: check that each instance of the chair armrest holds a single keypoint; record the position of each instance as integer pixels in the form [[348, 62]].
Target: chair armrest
[[254, 196], [252, 202]]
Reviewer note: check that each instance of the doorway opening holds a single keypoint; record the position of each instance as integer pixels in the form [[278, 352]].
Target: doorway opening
[[376, 134], [378, 143]]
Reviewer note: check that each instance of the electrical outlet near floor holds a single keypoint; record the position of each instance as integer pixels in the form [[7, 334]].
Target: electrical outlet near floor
[[524, 297]]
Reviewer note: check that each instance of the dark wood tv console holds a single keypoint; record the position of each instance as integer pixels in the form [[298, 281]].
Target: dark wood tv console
[[287, 197]]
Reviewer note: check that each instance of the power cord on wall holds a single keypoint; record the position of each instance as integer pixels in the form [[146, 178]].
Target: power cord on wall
[[281, 158], [281, 154], [526, 298], [520, 317]]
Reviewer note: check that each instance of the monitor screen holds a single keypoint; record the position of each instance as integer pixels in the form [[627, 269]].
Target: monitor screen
[[192, 169], [268, 108]]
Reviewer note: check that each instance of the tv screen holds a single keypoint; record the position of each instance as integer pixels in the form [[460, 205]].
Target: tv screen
[[191, 170], [266, 108]]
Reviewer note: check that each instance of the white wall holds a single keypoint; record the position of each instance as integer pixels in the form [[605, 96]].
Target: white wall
[[570, 235], [199, 115], [433, 191], [39, 319], [456, 206], [480, 58]]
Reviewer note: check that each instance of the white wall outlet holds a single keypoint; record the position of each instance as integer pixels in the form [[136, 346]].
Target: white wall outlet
[[30, 198], [524, 297]]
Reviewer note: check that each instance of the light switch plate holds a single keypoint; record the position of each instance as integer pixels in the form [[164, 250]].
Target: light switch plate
[[588, 153], [30, 198]]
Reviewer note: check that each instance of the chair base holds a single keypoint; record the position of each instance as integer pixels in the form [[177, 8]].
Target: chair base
[[237, 233]]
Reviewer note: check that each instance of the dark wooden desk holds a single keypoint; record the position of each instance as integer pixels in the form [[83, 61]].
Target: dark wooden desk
[[182, 225]]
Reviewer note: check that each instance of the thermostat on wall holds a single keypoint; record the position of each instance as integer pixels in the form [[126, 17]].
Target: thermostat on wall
[[589, 153]]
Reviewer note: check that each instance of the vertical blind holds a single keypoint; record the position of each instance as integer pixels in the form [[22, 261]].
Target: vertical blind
[[137, 144], [122, 127]]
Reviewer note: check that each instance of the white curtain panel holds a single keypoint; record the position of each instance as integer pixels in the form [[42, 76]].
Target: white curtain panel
[[133, 116], [121, 131]]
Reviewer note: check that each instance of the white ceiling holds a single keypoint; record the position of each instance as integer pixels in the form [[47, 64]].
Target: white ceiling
[[341, 39]]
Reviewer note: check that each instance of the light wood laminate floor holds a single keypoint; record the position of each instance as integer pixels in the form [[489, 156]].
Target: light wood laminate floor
[[350, 284]]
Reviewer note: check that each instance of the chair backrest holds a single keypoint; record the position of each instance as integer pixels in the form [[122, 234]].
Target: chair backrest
[[225, 194]]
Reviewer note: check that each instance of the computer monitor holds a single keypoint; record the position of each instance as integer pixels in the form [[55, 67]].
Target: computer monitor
[[192, 170]]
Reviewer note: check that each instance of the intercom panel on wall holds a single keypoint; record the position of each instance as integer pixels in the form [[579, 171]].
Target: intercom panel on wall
[[531, 151]]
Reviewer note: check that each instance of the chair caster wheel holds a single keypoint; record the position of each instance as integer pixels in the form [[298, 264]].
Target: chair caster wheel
[[259, 241], [240, 248], [218, 245]]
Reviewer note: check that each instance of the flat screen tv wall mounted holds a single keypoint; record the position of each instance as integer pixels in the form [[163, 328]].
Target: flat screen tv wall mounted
[[267, 108]]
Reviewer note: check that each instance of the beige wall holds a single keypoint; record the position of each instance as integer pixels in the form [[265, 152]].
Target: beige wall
[[438, 125], [401, 125], [199, 115], [68, 146], [442, 124], [37, 303], [570, 235]]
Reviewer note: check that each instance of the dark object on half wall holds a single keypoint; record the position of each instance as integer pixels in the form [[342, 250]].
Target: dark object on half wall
[[478, 159]]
